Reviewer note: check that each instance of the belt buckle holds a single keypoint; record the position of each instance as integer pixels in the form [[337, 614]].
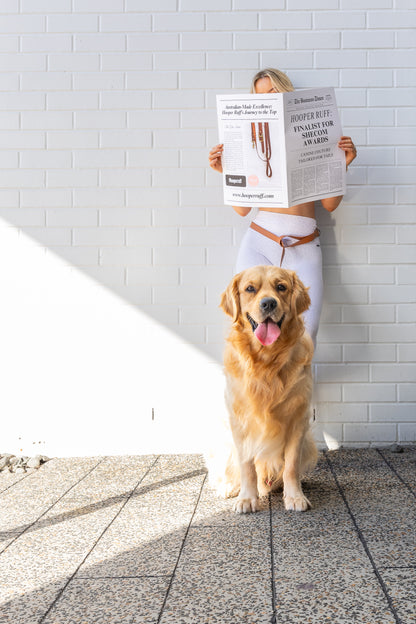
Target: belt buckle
[[286, 241]]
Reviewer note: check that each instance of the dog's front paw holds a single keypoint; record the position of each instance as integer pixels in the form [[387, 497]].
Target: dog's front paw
[[246, 505], [296, 503]]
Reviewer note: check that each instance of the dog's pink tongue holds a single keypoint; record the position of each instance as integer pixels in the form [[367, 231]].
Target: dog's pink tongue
[[267, 332]]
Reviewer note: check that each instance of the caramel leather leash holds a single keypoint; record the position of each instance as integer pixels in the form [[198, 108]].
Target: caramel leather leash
[[253, 135], [280, 239], [268, 150], [265, 143]]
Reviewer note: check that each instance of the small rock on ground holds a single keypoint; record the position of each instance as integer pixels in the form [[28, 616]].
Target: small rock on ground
[[396, 448], [11, 463]]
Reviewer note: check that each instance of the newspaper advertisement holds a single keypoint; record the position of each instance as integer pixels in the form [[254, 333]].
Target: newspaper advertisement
[[280, 149]]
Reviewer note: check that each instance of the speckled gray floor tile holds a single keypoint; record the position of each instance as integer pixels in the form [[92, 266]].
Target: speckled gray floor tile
[[223, 576], [216, 511], [232, 549], [110, 601], [384, 511], [401, 586], [41, 557], [8, 479], [319, 549], [383, 500], [195, 598], [31, 497], [339, 597], [147, 535], [138, 545], [111, 481], [404, 464], [392, 547], [30, 603], [57, 544], [145, 540], [361, 469]]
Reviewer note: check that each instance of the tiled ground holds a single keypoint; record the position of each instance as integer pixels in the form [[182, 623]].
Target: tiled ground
[[143, 540]]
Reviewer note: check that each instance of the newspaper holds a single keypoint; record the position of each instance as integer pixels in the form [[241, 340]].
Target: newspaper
[[280, 149]]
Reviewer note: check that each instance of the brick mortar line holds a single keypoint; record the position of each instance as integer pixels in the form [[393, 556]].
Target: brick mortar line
[[363, 542], [172, 576], [51, 506], [393, 469], [60, 593]]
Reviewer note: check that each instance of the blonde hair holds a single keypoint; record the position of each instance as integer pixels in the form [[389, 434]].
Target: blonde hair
[[279, 80]]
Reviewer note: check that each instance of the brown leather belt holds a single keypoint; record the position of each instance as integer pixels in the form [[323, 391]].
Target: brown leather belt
[[281, 240]]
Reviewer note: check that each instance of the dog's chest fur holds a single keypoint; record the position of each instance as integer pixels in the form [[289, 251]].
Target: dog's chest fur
[[268, 394]]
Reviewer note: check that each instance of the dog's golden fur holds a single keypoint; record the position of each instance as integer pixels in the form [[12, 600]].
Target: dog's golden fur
[[268, 388]]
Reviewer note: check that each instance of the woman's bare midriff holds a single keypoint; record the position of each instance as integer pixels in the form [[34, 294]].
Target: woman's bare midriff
[[301, 210]]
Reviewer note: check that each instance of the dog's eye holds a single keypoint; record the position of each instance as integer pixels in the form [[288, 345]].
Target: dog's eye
[[250, 289], [281, 287]]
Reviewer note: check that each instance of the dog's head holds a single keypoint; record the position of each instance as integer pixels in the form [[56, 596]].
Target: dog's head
[[266, 301]]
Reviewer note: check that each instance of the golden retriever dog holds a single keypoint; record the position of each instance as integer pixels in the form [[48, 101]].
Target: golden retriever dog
[[268, 373]]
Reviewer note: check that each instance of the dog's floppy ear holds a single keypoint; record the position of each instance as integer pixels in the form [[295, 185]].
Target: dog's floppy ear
[[300, 300], [230, 299]]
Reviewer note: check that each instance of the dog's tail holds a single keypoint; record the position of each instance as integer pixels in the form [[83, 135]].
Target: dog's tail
[[223, 474]]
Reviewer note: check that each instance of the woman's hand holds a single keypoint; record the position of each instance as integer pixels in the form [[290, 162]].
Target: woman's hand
[[215, 157], [346, 144]]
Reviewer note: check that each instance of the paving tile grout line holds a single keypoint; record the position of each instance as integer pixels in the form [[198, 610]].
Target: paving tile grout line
[[139, 576], [408, 567], [363, 542], [273, 619], [392, 468], [180, 552], [42, 619], [15, 483], [29, 526], [91, 507]]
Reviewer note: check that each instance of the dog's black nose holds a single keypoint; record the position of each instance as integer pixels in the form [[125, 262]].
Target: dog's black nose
[[268, 304]]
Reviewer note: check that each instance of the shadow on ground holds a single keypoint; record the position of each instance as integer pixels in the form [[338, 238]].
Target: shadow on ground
[[169, 550]]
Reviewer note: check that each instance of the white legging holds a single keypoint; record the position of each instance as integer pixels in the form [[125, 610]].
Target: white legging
[[305, 259]]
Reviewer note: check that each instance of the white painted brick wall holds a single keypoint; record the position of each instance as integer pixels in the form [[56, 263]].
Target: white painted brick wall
[[107, 113]]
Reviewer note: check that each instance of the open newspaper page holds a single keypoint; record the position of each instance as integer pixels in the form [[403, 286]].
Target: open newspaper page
[[254, 160], [280, 149], [316, 166]]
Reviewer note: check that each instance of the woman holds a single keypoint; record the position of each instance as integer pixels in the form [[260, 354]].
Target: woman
[[296, 221]]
